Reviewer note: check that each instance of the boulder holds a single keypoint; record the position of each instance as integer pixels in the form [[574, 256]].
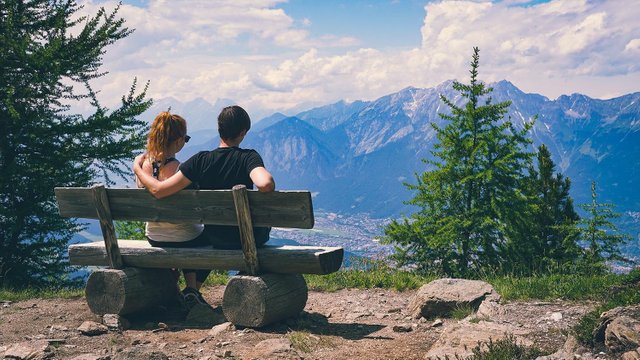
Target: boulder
[[279, 348], [459, 339], [622, 333], [33, 350], [631, 355], [568, 351], [440, 297], [619, 328]]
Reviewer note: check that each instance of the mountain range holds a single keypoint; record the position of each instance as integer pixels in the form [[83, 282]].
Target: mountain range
[[355, 156]]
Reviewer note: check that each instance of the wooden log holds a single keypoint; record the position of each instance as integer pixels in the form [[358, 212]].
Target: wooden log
[[256, 301], [292, 209], [101, 202], [247, 240], [129, 290], [273, 259]]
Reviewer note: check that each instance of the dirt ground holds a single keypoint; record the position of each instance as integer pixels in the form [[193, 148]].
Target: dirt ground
[[348, 324]]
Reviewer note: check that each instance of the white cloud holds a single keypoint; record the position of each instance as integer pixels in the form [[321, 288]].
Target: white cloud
[[258, 55]]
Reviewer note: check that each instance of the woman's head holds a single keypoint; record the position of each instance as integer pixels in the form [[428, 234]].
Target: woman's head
[[167, 130]]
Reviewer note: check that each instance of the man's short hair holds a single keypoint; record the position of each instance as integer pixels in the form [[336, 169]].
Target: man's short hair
[[232, 121]]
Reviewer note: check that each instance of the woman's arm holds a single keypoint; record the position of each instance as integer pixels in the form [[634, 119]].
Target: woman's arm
[[159, 189]]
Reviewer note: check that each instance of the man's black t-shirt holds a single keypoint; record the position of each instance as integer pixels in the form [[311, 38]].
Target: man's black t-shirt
[[221, 169]]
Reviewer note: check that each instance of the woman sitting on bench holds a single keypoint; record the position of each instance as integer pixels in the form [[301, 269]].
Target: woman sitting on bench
[[167, 136]]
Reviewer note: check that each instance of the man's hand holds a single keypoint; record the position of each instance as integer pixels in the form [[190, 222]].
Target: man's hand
[[138, 161]]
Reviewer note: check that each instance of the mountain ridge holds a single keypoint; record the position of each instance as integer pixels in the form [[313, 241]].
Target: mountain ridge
[[356, 155]]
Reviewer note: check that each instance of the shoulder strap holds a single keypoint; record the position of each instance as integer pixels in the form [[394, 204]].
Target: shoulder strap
[[156, 169], [156, 166]]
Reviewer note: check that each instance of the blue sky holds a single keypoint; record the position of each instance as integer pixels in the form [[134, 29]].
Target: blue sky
[[274, 55], [377, 24]]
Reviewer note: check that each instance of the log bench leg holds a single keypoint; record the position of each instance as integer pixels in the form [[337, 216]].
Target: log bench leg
[[256, 301], [130, 290]]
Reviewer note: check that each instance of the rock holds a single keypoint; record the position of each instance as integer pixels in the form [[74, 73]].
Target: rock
[[631, 355], [92, 328], [221, 328], [441, 296], [55, 328], [556, 316], [568, 351], [436, 323], [30, 350], [115, 322], [622, 333], [204, 316], [355, 315], [460, 338], [274, 348], [621, 337], [402, 328], [91, 357], [489, 308], [140, 354]]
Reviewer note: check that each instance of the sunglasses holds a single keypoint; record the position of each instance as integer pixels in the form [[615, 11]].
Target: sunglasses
[[187, 138]]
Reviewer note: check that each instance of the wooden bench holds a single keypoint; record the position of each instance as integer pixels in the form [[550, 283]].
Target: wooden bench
[[273, 287]]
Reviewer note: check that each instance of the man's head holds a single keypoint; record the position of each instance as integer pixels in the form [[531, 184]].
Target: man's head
[[232, 122]]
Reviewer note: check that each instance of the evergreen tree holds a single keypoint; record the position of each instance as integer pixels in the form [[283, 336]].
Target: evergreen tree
[[550, 238], [48, 56], [469, 202], [600, 234], [131, 230]]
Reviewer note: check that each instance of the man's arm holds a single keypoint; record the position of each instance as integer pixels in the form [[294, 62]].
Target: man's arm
[[159, 189], [262, 179]]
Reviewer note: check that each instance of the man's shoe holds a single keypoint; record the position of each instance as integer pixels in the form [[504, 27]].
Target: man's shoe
[[192, 297]]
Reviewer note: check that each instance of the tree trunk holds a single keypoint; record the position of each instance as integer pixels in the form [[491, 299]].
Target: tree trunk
[[129, 290], [256, 301]]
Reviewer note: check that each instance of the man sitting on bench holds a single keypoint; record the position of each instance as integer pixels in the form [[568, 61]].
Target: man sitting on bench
[[218, 169]]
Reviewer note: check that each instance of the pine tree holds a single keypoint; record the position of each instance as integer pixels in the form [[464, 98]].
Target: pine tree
[[550, 239], [48, 57], [131, 230], [600, 234], [469, 202]]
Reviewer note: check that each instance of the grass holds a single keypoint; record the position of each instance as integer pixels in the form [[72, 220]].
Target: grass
[[626, 292], [503, 349], [461, 312], [307, 342], [551, 287], [368, 274], [26, 294]]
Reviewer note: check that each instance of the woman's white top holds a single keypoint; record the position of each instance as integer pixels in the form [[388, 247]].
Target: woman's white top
[[169, 232], [162, 231]]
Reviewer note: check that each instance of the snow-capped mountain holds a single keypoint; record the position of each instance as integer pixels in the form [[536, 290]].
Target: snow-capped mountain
[[355, 156]]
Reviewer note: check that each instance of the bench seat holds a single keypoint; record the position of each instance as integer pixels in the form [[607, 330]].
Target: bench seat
[[273, 259]]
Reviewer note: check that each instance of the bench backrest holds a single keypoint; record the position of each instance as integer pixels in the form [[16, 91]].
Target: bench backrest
[[291, 209], [238, 206]]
